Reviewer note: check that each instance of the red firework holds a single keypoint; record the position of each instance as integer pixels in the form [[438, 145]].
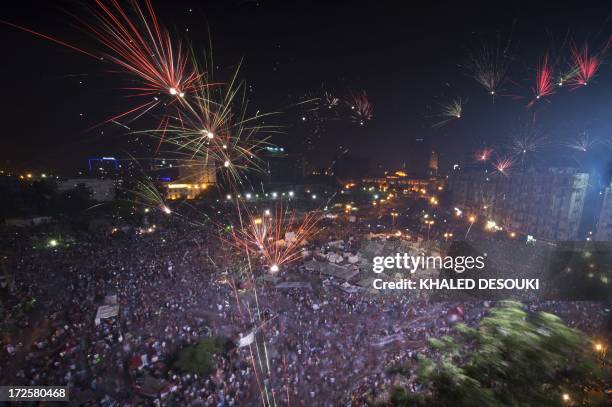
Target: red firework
[[276, 236], [135, 42], [544, 82], [144, 49], [361, 108], [586, 66], [503, 165], [484, 155]]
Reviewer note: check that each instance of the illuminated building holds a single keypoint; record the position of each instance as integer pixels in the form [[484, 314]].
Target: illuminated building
[[184, 191], [198, 173], [401, 180], [544, 203], [193, 180], [604, 224]]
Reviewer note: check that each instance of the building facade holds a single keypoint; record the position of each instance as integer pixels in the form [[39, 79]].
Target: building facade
[[192, 181], [604, 224], [546, 204]]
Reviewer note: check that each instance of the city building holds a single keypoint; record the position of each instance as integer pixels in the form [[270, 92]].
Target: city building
[[546, 204], [193, 180], [102, 190], [604, 224], [103, 166], [198, 173], [279, 166], [400, 179]]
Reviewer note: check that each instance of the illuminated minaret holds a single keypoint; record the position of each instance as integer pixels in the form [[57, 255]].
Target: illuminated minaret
[[433, 163]]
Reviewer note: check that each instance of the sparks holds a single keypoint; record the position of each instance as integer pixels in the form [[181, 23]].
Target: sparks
[[134, 41], [484, 155], [360, 108], [277, 238], [544, 83], [489, 67], [586, 66], [583, 142], [450, 111], [527, 143], [215, 130], [503, 165]]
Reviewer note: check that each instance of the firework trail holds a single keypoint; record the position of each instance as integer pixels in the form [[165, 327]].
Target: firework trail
[[527, 143], [275, 237], [360, 108], [503, 165], [586, 66], [583, 142], [566, 76], [450, 111], [134, 41], [488, 200], [330, 101], [489, 67], [147, 194], [483, 155], [141, 190], [544, 82], [216, 131]]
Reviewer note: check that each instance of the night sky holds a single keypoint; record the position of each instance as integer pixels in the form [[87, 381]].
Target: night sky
[[408, 59]]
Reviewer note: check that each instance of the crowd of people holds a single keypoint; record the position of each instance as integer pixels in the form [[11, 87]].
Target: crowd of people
[[174, 284]]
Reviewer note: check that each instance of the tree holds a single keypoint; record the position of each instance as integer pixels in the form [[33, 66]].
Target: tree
[[512, 358], [200, 358]]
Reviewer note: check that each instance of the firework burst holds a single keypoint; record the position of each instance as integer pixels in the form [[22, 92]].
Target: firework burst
[[527, 143], [360, 108], [483, 155], [489, 67], [141, 190], [566, 76], [133, 40], [583, 142], [586, 66], [137, 43], [450, 111], [488, 200], [330, 101], [503, 165], [275, 236], [216, 131], [544, 82]]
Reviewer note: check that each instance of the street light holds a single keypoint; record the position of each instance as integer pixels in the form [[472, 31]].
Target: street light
[[393, 216]]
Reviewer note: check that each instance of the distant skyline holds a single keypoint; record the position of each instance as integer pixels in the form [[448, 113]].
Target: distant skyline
[[409, 60]]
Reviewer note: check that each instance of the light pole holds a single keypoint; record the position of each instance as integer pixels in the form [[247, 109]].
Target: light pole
[[429, 223], [393, 216]]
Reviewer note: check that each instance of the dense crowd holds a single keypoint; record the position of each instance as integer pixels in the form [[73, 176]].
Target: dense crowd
[[176, 284]]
